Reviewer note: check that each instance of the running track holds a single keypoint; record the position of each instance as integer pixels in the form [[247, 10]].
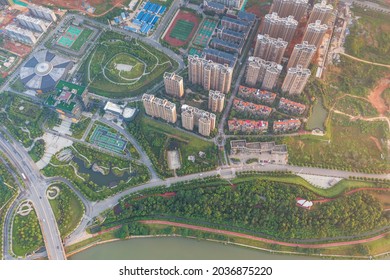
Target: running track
[[270, 241]]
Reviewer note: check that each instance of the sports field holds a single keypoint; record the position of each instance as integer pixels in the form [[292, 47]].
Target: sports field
[[205, 32], [74, 37], [182, 28], [105, 139]]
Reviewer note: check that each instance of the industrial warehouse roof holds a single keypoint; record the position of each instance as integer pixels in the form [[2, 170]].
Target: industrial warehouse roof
[[43, 70]]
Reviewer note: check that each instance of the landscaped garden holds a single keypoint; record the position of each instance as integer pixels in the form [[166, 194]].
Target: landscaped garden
[[67, 208], [120, 66], [96, 174], [265, 207], [26, 234], [157, 138]]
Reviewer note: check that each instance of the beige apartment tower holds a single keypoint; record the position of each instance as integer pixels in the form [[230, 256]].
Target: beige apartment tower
[[301, 55], [210, 75], [295, 8], [270, 49], [315, 33], [159, 108], [322, 12], [216, 101], [260, 71], [192, 116], [280, 27], [296, 80], [173, 84]]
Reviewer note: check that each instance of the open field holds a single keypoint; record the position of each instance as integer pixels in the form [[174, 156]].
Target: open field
[[81, 39], [67, 208], [108, 75], [157, 137], [182, 28], [370, 36], [351, 146]]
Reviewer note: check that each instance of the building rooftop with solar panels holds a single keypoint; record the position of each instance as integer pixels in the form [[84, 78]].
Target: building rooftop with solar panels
[[43, 71]]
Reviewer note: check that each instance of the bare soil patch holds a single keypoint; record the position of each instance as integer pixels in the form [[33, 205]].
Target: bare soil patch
[[377, 143], [375, 96]]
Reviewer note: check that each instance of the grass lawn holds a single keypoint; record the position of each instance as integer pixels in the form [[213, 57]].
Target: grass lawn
[[79, 128], [157, 137], [81, 39], [356, 107], [104, 81], [370, 36], [68, 210], [26, 234], [123, 59], [353, 145]]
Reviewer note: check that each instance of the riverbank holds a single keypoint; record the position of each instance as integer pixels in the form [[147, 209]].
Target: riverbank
[[239, 242]]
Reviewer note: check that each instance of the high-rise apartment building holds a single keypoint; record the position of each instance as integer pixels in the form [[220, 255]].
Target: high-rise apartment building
[[192, 116], [173, 84], [315, 33], [159, 108], [210, 75], [235, 24], [31, 23], [296, 80], [295, 8], [19, 34], [42, 12], [261, 71], [216, 101], [280, 27], [270, 49], [301, 55], [322, 12]]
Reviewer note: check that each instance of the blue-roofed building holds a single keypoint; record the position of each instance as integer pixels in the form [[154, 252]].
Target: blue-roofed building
[[155, 20], [162, 10], [123, 15], [147, 5]]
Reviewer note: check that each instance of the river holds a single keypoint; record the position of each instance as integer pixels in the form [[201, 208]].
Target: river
[[176, 248]]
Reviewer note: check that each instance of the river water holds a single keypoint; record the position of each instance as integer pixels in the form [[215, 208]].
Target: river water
[[176, 248]]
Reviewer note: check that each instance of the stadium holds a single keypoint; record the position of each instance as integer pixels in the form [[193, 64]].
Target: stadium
[[43, 70]]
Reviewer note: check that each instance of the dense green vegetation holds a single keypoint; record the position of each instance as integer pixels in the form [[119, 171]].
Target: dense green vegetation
[[23, 118], [370, 37], [38, 150], [352, 146], [156, 138], [79, 128], [356, 107], [90, 188], [352, 77], [6, 195], [68, 210], [262, 207], [105, 80], [26, 234]]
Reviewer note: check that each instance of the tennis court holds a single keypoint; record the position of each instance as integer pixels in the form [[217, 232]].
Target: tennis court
[[105, 139], [69, 36], [194, 51], [205, 32], [182, 29], [65, 41]]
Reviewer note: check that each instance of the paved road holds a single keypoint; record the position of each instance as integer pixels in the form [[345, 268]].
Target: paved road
[[163, 25], [36, 188]]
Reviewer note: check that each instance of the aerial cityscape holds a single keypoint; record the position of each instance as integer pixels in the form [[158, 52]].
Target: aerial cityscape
[[263, 125]]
